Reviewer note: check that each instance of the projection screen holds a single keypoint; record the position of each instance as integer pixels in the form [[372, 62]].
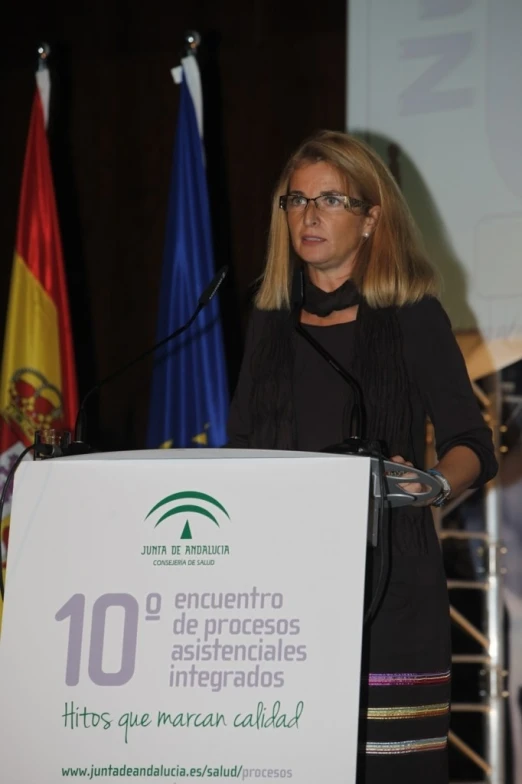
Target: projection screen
[[436, 87]]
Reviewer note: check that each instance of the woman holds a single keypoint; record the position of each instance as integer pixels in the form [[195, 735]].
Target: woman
[[370, 299]]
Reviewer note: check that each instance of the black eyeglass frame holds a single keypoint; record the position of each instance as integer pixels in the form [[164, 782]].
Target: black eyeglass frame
[[350, 202]]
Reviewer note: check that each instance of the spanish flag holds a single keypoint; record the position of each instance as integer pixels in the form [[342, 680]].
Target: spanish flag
[[38, 377]]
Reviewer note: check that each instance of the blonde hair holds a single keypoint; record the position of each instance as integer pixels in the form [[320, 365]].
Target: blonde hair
[[391, 267]]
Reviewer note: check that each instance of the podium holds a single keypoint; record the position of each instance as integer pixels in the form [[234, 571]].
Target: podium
[[184, 614]]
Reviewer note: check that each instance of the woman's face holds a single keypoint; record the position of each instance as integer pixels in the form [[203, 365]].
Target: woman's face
[[328, 241]]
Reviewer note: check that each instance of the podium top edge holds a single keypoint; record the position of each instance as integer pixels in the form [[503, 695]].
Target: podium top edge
[[198, 454]]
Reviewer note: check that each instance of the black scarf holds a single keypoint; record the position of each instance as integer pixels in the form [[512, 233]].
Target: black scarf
[[379, 368], [322, 303]]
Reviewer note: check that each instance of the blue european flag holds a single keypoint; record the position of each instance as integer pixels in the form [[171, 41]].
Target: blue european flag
[[189, 395]]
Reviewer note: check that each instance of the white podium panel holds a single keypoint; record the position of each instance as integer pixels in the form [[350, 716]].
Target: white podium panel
[[184, 615]]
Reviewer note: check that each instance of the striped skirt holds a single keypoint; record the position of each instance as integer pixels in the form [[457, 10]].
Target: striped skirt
[[405, 727], [406, 683]]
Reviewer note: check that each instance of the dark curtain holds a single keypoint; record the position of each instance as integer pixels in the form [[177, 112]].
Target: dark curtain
[[272, 73]]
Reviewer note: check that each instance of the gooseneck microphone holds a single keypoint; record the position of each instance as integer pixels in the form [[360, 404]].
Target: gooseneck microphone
[[79, 445], [357, 415], [355, 441]]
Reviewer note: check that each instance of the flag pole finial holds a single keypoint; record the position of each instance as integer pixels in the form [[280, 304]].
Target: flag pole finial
[[44, 50], [192, 42]]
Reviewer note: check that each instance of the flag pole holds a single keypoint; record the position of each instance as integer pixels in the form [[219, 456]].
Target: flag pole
[[43, 79], [192, 42], [44, 52]]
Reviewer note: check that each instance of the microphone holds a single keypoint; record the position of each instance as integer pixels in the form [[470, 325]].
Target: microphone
[[79, 446], [355, 441]]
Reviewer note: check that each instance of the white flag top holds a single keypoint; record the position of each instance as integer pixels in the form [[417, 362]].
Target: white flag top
[[189, 68]]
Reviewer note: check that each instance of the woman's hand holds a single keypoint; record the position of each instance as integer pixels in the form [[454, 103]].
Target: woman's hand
[[410, 487]]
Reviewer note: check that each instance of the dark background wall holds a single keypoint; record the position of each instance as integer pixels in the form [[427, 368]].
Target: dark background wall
[[272, 73]]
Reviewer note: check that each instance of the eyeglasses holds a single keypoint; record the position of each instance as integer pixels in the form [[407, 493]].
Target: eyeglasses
[[326, 202]]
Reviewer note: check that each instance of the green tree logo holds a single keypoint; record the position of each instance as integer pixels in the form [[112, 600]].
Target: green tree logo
[[188, 502]]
